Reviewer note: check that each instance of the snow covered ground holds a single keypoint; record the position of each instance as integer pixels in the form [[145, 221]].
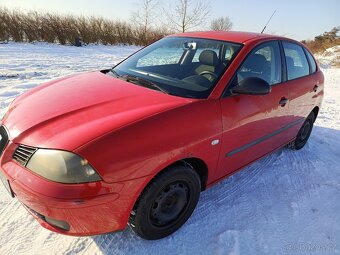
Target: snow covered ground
[[329, 58], [286, 203]]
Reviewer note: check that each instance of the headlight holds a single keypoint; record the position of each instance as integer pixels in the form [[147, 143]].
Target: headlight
[[62, 166]]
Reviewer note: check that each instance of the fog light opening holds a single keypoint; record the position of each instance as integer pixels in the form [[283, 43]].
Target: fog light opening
[[63, 225]]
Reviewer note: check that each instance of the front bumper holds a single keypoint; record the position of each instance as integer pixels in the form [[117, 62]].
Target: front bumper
[[88, 209]]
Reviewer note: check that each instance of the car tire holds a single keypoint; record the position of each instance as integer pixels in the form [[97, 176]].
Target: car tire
[[304, 132], [166, 203]]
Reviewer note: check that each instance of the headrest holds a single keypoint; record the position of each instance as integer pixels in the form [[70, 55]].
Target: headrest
[[256, 63], [208, 57], [290, 61]]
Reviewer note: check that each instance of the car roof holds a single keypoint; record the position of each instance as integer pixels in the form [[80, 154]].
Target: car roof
[[230, 36]]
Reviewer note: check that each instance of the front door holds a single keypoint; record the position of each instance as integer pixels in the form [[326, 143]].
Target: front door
[[254, 125]]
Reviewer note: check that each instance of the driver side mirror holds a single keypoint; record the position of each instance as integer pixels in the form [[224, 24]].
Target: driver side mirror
[[252, 86]]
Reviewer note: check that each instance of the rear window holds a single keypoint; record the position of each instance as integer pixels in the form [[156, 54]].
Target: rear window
[[297, 64], [311, 61]]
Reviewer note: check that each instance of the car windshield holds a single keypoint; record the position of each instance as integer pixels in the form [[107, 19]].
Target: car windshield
[[180, 66]]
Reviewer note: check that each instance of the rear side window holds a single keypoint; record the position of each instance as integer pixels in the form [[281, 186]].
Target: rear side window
[[311, 61], [297, 64]]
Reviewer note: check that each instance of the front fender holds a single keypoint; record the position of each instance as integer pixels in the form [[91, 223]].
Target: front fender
[[146, 147]]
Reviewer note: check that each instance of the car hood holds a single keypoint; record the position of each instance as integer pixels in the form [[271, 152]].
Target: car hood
[[71, 111]]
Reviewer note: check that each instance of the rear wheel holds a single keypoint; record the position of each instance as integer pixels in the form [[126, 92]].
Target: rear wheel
[[166, 203], [304, 132]]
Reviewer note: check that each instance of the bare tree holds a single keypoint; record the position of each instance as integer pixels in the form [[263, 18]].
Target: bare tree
[[188, 14], [221, 23], [144, 17]]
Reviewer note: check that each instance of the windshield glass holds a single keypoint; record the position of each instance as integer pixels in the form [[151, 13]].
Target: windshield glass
[[180, 66]]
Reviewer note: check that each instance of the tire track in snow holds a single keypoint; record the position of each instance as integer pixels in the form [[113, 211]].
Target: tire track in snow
[[229, 187]]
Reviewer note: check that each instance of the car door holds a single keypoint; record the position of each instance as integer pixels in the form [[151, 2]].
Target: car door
[[254, 125], [304, 84]]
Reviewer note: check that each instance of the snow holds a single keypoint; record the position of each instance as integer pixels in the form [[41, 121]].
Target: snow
[[26, 65], [286, 203], [331, 57]]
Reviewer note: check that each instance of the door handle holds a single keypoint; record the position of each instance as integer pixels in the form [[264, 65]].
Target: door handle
[[283, 101], [315, 89]]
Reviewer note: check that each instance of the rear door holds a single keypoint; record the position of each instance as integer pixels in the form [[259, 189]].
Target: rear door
[[254, 125], [302, 84]]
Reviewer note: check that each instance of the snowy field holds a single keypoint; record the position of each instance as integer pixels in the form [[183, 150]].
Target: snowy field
[[286, 203]]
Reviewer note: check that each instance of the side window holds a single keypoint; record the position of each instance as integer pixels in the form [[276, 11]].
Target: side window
[[297, 64], [311, 61], [229, 51], [264, 62]]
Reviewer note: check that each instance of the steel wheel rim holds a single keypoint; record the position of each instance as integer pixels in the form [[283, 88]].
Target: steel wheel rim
[[170, 204]]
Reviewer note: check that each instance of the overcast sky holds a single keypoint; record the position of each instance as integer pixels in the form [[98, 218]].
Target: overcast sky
[[299, 19]]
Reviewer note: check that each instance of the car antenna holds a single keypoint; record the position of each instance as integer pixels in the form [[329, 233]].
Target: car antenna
[[268, 22]]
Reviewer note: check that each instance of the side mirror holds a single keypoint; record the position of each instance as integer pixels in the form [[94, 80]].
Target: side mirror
[[252, 86]]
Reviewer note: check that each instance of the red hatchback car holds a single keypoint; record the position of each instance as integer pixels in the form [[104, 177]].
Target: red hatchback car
[[90, 153]]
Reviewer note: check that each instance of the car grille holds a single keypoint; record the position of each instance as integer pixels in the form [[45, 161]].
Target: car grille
[[3, 139], [23, 154]]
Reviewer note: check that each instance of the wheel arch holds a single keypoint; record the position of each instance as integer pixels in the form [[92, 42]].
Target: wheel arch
[[316, 112], [197, 164], [200, 167]]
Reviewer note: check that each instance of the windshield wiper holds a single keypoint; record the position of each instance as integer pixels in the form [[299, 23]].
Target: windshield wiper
[[142, 82], [138, 81], [114, 73]]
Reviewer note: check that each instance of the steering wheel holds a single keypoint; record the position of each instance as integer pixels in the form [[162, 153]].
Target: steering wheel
[[208, 73]]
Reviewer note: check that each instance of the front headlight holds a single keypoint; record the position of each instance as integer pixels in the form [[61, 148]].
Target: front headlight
[[62, 166]]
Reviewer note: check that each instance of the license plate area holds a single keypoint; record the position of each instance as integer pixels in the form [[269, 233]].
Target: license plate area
[[6, 184]]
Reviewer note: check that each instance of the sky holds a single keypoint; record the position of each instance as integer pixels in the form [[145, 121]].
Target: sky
[[298, 19]]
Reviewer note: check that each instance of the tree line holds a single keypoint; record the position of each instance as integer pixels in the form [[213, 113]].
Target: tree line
[[65, 29], [151, 21], [324, 41]]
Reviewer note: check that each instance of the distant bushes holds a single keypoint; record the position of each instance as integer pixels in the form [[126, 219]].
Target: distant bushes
[[34, 26], [324, 41], [64, 29]]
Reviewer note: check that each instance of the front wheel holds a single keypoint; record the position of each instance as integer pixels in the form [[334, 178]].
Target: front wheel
[[304, 132], [166, 203]]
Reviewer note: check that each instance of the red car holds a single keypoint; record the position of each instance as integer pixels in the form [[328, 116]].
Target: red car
[[90, 153]]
